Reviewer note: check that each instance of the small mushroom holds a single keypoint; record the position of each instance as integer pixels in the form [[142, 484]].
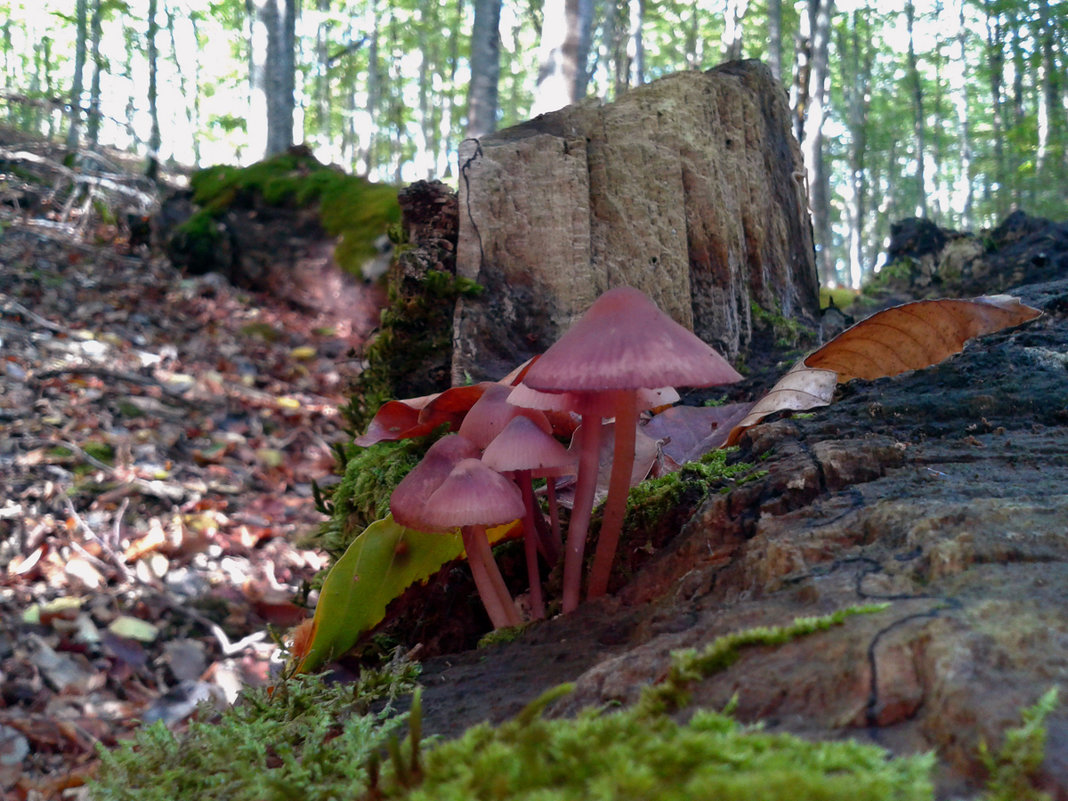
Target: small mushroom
[[526, 451], [471, 498], [409, 497], [622, 344]]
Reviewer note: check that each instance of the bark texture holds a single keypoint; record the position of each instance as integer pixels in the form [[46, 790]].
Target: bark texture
[[689, 188]]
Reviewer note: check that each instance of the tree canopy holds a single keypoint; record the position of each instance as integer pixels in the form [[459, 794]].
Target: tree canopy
[[952, 109]]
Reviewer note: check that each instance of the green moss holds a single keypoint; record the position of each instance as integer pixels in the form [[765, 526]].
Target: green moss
[[415, 330], [100, 451], [362, 495], [352, 209], [843, 297], [654, 499], [1013, 768], [788, 333], [308, 740], [316, 741]]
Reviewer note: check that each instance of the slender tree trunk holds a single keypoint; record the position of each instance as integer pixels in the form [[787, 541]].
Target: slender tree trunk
[[74, 131], [918, 118], [775, 38], [154, 137], [799, 89], [635, 42], [733, 13], [92, 126], [820, 12], [271, 76], [46, 43], [995, 64], [855, 61], [694, 42], [565, 31], [485, 69], [369, 138], [321, 99], [958, 85]]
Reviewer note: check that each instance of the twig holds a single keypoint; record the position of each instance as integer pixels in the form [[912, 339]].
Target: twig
[[104, 545], [9, 304]]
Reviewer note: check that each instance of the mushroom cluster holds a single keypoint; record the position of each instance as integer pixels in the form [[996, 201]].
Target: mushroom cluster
[[622, 356]]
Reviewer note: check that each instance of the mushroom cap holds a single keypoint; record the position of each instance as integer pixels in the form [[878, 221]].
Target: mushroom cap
[[588, 402], [624, 341], [474, 495], [410, 496], [522, 445], [488, 416]]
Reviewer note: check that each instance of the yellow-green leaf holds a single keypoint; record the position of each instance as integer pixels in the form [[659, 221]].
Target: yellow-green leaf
[[382, 562]]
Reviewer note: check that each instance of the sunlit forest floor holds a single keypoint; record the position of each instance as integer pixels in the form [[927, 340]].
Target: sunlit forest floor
[[159, 437]]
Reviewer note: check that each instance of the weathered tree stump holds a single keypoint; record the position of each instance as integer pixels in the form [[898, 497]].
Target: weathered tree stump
[[689, 188]]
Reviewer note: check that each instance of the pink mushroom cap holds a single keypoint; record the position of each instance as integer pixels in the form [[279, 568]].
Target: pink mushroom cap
[[624, 341], [473, 495]]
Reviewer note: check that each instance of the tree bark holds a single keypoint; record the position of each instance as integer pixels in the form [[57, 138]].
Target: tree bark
[[817, 98], [92, 126], [918, 118], [565, 35], [485, 69], [271, 76], [688, 188], [74, 131], [154, 137]]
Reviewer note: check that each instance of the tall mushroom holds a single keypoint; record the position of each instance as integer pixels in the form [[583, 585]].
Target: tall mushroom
[[623, 343], [525, 450]]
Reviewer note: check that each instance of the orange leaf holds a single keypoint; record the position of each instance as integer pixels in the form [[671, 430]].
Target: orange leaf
[[916, 335]]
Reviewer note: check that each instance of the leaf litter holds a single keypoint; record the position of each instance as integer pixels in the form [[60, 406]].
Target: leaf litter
[[159, 436]]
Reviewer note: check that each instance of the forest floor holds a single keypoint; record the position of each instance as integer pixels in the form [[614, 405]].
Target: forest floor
[[159, 437]]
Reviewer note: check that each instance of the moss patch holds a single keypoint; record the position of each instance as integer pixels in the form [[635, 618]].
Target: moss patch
[[352, 209], [788, 333], [411, 353]]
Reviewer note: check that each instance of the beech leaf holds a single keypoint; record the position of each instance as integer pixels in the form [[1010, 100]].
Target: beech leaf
[[907, 337], [380, 564], [800, 389], [916, 335]]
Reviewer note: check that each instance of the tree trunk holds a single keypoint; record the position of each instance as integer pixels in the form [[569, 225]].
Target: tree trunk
[[74, 131], [959, 90], [271, 76], [775, 38], [92, 126], [686, 188], [565, 35], [855, 60], [485, 69], [733, 13], [817, 99], [154, 137], [918, 116], [995, 64]]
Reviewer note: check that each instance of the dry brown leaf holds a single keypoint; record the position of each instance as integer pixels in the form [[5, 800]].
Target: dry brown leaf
[[916, 335], [908, 337], [801, 388]]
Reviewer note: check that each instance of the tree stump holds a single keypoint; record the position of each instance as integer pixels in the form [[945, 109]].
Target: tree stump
[[690, 188]]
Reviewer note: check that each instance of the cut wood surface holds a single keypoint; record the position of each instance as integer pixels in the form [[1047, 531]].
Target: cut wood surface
[[688, 188]]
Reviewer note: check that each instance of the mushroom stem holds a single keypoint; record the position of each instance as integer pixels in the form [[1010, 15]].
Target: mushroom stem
[[491, 588], [554, 515], [530, 544], [615, 505], [585, 487]]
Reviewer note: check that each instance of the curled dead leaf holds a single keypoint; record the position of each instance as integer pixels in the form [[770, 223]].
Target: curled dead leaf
[[916, 335], [801, 388]]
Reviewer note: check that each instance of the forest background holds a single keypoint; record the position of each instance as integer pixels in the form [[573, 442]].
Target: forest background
[[955, 110]]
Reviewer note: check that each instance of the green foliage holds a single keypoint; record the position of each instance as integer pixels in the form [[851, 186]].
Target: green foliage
[[788, 333], [308, 740], [351, 208], [1013, 768], [382, 562]]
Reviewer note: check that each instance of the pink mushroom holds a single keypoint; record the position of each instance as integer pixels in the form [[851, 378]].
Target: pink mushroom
[[622, 344], [525, 450], [471, 498]]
